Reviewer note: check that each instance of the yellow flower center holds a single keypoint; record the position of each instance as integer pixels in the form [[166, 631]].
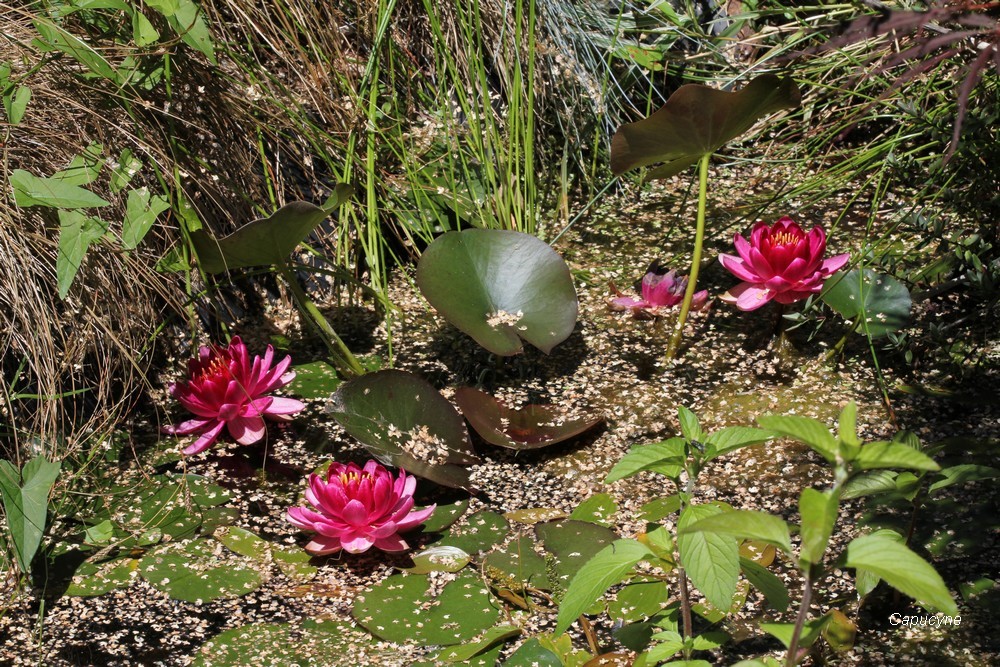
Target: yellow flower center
[[785, 238]]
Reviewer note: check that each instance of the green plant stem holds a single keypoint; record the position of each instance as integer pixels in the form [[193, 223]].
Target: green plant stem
[[699, 237], [685, 604], [343, 358], [792, 658]]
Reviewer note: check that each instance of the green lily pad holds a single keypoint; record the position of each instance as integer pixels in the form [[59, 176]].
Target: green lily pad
[[500, 287], [265, 241], [317, 379], [571, 544], [92, 579], [401, 609], [639, 599], [516, 567], [599, 508], [311, 643], [482, 531], [194, 570], [438, 558], [882, 300], [445, 515], [403, 421], [531, 427], [697, 121], [293, 562]]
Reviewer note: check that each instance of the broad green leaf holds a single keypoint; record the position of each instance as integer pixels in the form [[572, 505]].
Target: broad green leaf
[[15, 103], [84, 168], [265, 241], [868, 483], [599, 508], [881, 300], [188, 21], [140, 214], [30, 190], [530, 427], [438, 559], [734, 437], [690, 427], [962, 474], [165, 7], [316, 379], [143, 32], [847, 428], [569, 545], [819, 514], [711, 560], [499, 287], [404, 421], [243, 542], [840, 631], [697, 121], [784, 631], [668, 644], [766, 582], [745, 525], [128, 166], [402, 609], [26, 501], [805, 429], [55, 38], [902, 569], [480, 533], [193, 571], [307, 643], [76, 232], [608, 567], [92, 579], [666, 458], [893, 455], [532, 654], [639, 599], [516, 567], [660, 508], [471, 649]]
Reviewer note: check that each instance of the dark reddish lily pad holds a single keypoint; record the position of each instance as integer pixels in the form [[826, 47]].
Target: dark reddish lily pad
[[531, 427], [405, 422]]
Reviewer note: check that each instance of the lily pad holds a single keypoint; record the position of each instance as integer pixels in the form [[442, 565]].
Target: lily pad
[[696, 121], [403, 421], [500, 287], [317, 379], [311, 643], [531, 427], [482, 531], [401, 609], [516, 567], [438, 558], [882, 300], [571, 543], [445, 515], [92, 579], [195, 570], [265, 241]]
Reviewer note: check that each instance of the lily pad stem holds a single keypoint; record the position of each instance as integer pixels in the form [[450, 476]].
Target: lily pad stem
[[699, 237], [342, 357]]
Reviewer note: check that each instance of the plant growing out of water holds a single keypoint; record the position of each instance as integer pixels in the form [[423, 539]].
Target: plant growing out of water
[[225, 388], [358, 508], [660, 292], [694, 123], [779, 262]]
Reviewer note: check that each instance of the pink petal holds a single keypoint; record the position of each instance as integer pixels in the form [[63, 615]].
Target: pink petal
[[791, 296], [698, 299], [356, 544], [187, 427], [355, 513], [742, 248], [415, 518], [321, 545], [247, 430], [391, 543], [834, 264], [738, 268], [747, 296], [760, 265], [627, 303], [205, 441], [285, 406]]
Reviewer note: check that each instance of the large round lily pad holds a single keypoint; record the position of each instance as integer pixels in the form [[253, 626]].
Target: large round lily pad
[[882, 300], [405, 422], [697, 121], [200, 570], [531, 427], [500, 287]]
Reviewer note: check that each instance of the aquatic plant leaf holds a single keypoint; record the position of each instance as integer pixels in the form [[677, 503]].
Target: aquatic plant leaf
[[818, 510], [840, 631], [571, 543], [599, 508], [31, 190], [141, 211], [530, 427], [766, 582], [316, 379], [608, 567], [639, 599], [265, 241], [491, 637], [25, 495], [902, 569], [396, 610], [405, 422], [881, 300], [76, 232], [696, 121], [91, 579], [309, 643], [445, 515], [499, 287], [534, 515], [784, 631], [438, 558], [532, 654], [480, 533], [516, 567], [192, 571], [711, 560]]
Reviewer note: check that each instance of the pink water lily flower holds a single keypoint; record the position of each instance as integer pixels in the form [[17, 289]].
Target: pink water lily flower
[[357, 509], [225, 388], [780, 262], [659, 292]]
